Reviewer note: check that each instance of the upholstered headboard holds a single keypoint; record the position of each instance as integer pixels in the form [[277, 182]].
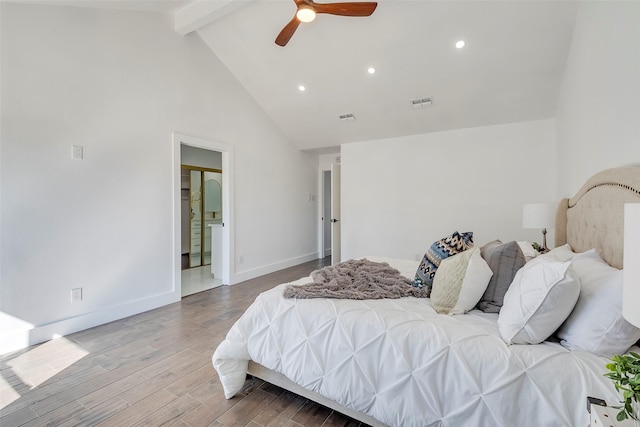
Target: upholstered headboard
[[594, 217]]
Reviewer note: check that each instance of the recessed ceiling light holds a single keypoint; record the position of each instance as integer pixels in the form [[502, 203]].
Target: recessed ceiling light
[[371, 70], [301, 88], [460, 44]]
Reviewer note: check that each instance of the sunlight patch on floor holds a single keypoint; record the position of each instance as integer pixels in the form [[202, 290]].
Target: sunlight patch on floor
[[38, 365], [7, 394]]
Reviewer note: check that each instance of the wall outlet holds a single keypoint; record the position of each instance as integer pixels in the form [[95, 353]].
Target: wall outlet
[[241, 259], [76, 294], [417, 257]]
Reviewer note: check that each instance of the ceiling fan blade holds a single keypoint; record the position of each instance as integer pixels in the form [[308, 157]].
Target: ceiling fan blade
[[286, 33], [346, 9]]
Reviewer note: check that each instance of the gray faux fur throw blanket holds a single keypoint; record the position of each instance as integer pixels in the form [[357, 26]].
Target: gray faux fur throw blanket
[[356, 279]]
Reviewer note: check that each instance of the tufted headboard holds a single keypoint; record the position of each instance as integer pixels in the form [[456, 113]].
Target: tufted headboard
[[594, 217]]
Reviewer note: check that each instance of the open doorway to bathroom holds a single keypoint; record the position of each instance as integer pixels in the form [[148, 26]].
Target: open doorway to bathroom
[[201, 208], [201, 219], [196, 279]]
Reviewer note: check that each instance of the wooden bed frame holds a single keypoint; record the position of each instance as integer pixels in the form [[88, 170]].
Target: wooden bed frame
[[593, 218]]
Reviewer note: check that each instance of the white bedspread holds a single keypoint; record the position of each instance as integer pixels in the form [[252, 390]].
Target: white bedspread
[[405, 365]]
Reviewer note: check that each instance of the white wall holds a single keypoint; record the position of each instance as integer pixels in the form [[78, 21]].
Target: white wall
[[401, 194], [119, 83], [598, 115]]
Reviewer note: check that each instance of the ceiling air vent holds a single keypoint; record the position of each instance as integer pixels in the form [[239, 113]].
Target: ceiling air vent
[[347, 117], [422, 102]]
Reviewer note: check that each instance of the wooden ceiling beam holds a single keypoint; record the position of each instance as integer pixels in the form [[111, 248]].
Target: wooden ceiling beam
[[203, 12]]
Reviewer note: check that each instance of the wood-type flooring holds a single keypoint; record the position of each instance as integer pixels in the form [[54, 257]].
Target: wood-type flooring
[[152, 369]]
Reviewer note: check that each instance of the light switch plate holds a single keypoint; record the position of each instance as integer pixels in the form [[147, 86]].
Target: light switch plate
[[77, 152], [76, 294]]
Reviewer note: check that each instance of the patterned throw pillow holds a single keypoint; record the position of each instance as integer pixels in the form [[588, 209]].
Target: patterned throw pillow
[[443, 248]]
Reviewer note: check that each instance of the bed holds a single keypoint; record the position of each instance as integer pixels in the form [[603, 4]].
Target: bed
[[397, 362]]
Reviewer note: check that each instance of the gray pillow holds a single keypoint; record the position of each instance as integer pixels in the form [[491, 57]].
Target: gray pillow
[[504, 259]]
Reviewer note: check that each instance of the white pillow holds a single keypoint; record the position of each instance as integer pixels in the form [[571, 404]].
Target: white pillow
[[460, 282], [561, 253], [596, 323], [540, 298]]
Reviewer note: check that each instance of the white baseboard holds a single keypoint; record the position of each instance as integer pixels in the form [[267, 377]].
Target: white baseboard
[[241, 276], [327, 252], [21, 335]]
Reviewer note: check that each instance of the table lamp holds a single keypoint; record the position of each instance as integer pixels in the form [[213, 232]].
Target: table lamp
[[540, 215]]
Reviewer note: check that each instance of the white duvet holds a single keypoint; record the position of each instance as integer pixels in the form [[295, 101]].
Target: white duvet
[[405, 365]]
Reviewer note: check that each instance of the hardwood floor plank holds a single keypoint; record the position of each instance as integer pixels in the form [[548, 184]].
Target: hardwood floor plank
[[245, 411], [281, 410], [57, 416], [184, 360], [110, 391], [50, 390], [141, 410], [171, 413], [210, 410], [336, 419], [93, 416], [133, 362], [312, 414], [18, 417], [199, 384], [161, 380]]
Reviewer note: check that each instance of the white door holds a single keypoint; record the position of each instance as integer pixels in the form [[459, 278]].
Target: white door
[[335, 213]]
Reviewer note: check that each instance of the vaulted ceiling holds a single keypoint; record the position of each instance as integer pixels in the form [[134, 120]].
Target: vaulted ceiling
[[510, 69]]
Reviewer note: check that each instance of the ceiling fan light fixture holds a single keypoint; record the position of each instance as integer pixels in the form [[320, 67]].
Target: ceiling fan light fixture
[[307, 9], [306, 14]]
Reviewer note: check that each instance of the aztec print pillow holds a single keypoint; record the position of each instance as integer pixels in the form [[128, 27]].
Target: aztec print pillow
[[439, 250]]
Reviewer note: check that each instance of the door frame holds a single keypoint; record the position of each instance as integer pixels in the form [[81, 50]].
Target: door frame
[[226, 151]]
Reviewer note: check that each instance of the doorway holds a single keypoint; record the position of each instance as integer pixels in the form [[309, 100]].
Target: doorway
[[201, 213], [336, 225], [326, 213], [202, 196], [330, 229]]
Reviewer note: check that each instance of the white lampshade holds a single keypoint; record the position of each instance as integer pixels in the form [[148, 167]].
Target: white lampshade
[[539, 215], [631, 267]]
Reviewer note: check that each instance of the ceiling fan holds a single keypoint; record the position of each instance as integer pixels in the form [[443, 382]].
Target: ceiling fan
[[307, 10]]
